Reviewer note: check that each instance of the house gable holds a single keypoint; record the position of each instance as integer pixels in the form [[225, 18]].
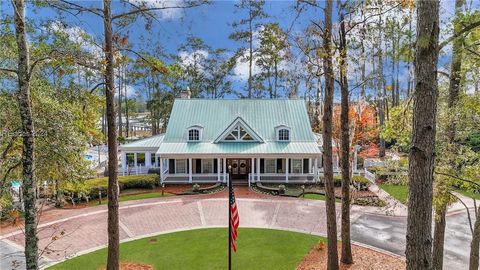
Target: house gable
[[238, 131]]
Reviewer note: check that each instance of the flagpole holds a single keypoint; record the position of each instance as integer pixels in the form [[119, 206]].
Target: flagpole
[[229, 218]]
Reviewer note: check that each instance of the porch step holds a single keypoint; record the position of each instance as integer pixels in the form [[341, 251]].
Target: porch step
[[239, 183]]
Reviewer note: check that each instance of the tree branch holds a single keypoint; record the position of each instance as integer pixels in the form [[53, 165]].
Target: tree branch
[[466, 208], [459, 178], [459, 33], [147, 9], [95, 87], [7, 70]]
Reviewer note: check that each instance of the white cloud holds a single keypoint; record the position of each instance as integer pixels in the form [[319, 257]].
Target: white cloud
[[78, 36], [190, 58], [164, 14]]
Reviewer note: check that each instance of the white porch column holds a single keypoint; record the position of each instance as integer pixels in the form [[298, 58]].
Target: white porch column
[[156, 161], [224, 170], [309, 165], [258, 169], [124, 161], [148, 159], [135, 159], [286, 171], [161, 170], [252, 167], [315, 169], [218, 169], [190, 170]]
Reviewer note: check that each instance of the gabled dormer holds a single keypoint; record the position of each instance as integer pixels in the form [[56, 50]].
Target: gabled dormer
[[238, 131], [283, 133], [194, 133]]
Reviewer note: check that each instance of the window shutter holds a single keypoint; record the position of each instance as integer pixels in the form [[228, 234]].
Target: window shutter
[[262, 165], [279, 165], [215, 165]]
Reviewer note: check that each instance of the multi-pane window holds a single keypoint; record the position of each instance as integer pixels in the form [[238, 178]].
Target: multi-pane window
[[297, 166], [270, 165], [194, 135], [180, 166], [207, 165], [238, 133], [284, 135]]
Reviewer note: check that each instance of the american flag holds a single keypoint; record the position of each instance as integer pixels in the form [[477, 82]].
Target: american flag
[[234, 219]]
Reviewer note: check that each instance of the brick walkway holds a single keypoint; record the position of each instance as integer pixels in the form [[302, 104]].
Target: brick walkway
[[83, 230]]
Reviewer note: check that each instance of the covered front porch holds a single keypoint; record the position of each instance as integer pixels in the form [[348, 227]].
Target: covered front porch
[[248, 170]]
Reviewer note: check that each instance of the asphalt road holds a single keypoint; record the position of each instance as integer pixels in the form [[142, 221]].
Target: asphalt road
[[388, 233]]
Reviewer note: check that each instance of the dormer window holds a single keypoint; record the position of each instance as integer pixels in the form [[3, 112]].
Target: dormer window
[[194, 134], [284, 134]]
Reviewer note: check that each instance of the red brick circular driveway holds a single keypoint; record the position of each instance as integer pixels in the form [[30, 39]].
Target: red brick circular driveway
[[84, 230]]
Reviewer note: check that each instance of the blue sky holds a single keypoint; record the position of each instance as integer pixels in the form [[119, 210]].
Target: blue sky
[[210, 22]]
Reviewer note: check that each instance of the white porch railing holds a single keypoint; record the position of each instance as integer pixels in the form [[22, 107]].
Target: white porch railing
[[132, 170], [184, 178], [281, 178], [370, 176]]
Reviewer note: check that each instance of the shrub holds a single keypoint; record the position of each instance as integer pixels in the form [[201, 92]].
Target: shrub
[[281, 189], [360, 183], [92, 187], [6, 206], [196, 187]]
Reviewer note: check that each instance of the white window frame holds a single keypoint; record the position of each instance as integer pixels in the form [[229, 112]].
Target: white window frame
[[235, 132], [200, 133], [283, 127], [212, 167], [274, 165], [279, 137], [301, 165], [176, 166]]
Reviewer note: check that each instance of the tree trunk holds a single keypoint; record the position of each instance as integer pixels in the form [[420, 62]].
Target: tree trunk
[[113, 222], [28, 132], [120, 88], [250, 60], [439, 237], [453, 92], [474, 245], [422, 151], [381, 89], [125, 97], [327, 141], [456, 66], [346, 257]]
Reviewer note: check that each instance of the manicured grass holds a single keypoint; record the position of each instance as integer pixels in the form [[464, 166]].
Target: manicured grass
[[207, 249], [399, 192], [317, 197], [133, 197], [470, 194]]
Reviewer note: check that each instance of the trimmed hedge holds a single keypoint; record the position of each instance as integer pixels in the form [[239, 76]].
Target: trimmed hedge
[[92, 187]]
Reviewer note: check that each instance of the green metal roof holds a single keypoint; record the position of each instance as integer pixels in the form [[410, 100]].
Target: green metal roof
[[239, 148], [151, 143], [215, 115]]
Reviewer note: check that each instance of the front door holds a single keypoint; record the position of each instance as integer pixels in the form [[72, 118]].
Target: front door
[[240, 168]]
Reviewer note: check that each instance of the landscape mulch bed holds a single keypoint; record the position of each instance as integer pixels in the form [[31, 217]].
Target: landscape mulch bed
[[364, 259], [134, 266]]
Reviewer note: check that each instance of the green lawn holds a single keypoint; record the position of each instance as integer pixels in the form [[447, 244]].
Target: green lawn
[[318, 197], [399, 192], [470, 194], [132, 197], [261, 249]]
